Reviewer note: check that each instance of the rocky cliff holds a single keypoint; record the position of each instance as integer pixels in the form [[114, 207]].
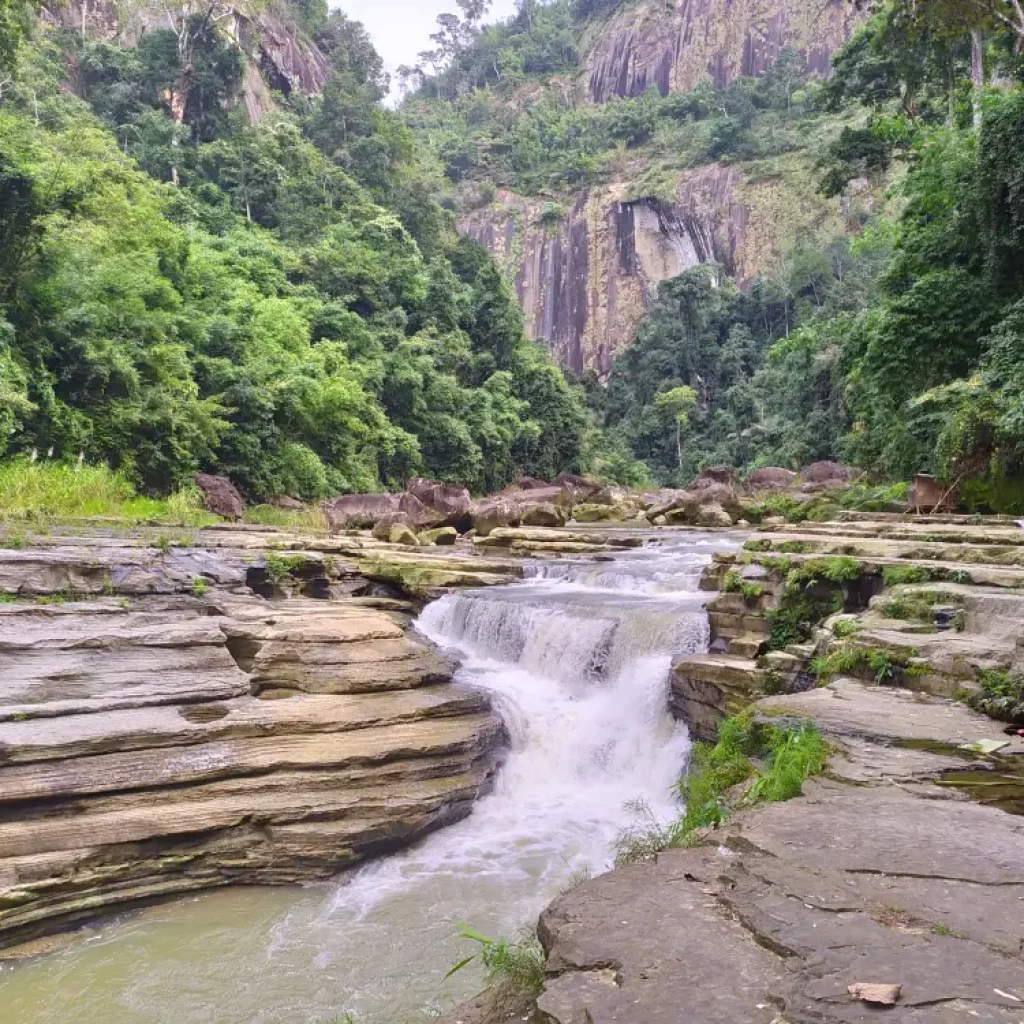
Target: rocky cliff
[[584, 275], [676, 45]]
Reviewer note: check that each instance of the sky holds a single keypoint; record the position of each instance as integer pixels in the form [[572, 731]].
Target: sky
[[401, 28]]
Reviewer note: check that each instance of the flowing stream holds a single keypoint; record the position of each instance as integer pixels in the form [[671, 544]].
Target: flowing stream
[[577, 659]]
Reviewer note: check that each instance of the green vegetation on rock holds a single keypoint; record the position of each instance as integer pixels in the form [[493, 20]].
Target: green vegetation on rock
[[751, 763]]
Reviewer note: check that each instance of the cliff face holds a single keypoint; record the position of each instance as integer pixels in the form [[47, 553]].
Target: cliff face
[[675, 46], [584, 280], [585, 276], [276, 54]]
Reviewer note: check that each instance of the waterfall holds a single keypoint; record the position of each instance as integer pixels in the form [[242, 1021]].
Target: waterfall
[[576, 658]]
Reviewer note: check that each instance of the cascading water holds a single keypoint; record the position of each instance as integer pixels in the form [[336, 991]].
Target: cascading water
[[577, 659]]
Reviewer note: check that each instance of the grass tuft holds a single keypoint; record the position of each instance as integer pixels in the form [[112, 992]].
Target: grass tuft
[[514, 966], [750, 764], [33, 490]]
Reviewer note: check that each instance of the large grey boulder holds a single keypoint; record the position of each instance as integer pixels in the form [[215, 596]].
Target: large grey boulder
[[221, 496], [358, 511], [770, 478], [450, 501]]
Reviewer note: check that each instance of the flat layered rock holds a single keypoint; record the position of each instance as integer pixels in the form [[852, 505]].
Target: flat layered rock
[[888, 715], [796, 903], [160, 736], [876, 876], [75, 736]]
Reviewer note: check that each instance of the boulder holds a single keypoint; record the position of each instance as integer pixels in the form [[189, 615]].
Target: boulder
[[382, 528], [511, 507], [714, 475], [770, 478], [582, 486], [591, 513], [420, 516], [402, 534], [450, 501], [358, 511], [713, 515], [287, 503], [443, 536], [490, 513], [673, 501], [544, 514], [720, 494], [221, 496], [819, 472]]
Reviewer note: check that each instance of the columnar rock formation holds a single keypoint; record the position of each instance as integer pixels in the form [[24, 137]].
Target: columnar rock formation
[[584, 282]]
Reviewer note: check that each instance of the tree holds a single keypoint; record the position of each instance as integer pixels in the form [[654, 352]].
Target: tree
[[678, 403]]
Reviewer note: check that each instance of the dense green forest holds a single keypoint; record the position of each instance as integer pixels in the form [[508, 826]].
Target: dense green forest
[[285, 301], [896, 344], [288, 300]]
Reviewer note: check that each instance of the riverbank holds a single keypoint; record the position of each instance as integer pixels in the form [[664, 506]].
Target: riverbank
[[898, 866]]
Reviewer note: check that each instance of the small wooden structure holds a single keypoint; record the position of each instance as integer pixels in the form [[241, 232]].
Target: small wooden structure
[[929, 495]]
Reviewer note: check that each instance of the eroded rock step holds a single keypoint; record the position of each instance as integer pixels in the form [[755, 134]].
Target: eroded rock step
[[159, 736], [876, 874]]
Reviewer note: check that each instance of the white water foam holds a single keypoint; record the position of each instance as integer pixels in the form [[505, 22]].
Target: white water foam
[[577, 660]]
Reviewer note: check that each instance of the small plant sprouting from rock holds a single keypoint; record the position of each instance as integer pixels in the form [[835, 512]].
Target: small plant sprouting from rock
[[515, 966], [281, 568], [776, 761], [200, 586], [162, 544], [1001, 695], [733, 583], [845, 628], [916, 606]]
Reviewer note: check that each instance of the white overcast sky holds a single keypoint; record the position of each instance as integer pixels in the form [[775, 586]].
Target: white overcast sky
[[401, 28]]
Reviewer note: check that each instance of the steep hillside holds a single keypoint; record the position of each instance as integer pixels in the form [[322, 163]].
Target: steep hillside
[[219, 252], [650, 151]]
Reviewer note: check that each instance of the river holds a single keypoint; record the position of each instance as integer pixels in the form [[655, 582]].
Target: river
[[577, 659]]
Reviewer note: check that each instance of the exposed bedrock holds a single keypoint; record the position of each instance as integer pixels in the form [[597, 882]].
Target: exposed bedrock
[[584, 282], [876, 876], [159, 737], [673, 46]]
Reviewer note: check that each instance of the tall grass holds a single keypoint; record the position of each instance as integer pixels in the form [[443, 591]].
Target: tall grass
[[514, 966], [295, 519], [750, 764], [32, 490]]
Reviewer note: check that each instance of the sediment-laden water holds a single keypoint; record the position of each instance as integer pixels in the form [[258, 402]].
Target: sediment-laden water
[[577, 659]]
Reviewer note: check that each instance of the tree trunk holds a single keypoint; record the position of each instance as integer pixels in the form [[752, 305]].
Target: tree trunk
[[679, 443], [977, 72]]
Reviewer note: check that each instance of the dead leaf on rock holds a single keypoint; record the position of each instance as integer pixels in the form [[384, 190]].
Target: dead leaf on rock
[[868, 992]]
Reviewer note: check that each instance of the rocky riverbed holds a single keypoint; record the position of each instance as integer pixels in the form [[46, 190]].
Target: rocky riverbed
[[234, 706], [893, 887]]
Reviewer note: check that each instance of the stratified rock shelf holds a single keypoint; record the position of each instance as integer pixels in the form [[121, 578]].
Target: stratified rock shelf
[[163, 729]]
